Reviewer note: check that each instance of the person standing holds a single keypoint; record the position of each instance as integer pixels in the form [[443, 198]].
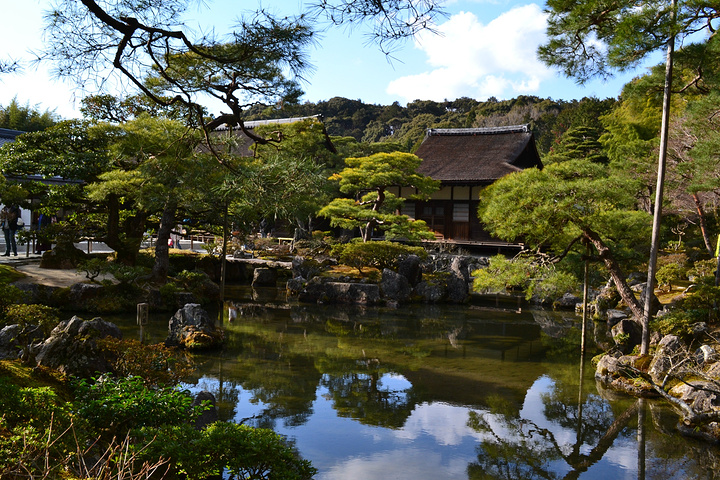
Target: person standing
[[10, 218]]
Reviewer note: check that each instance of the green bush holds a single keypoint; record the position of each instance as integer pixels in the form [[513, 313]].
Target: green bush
[[703, 268], [698, 306], [669, 274], [9, 295], [29, 417], [238, 450], [380, 254], [117, 405], [30, 315]]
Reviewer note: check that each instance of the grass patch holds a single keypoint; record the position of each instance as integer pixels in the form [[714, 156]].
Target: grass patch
[[26, 377], [9, 274], [371, 273]]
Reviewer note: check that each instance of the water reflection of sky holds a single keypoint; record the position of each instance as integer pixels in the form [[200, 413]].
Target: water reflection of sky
[[435, 442]]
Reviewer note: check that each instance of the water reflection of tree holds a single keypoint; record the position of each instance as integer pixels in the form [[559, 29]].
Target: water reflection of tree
[[519, 448], [357, 391], [284, 382]]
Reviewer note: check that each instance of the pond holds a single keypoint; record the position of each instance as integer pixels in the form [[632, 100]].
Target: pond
[[487, 390]]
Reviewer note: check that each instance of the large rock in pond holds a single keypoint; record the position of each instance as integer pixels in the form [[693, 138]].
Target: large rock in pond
[[318, 291], [457, 289], [264, 277], [430, 292], [627, 333], [72, 347], [666, 355], [192, 328], [395, 286], [410, 267]]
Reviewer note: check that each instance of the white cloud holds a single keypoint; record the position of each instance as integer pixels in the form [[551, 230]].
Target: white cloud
[[405, 464], [447, 424], [479, 61]]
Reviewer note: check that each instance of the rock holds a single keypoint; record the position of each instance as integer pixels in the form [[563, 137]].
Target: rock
[[608, 367], [317, 291], [457, 289], [410, 267], [395, 286], [82, 293], [72, 347], [627, 333], [264, 277], [662, 361], [699, 330], [360, 293], [615, 316], [64, 256], [607, 298], [567, 302], [9, 344], [702, 396], [35, 293], [430, 292], [314, 291], [209, 416], [705, 355], [192, 328], [295, 285], [616, 372], [459, 267], [305, 268]]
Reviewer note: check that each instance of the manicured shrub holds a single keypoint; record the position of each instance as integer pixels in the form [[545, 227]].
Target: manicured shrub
[[380, 254]]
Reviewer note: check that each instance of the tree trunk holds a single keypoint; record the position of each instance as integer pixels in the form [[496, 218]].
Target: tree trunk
[[616, 273], [703, 224], [126, 246], [657, 215], [162, 249]]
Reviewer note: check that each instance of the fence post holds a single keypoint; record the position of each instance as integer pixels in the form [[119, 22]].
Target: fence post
[[142, 319]]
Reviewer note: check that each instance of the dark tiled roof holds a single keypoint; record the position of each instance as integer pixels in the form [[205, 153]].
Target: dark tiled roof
[[464, 156], [7, 135]]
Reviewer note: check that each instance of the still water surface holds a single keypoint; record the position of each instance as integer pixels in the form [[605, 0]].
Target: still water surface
[[482, 391]]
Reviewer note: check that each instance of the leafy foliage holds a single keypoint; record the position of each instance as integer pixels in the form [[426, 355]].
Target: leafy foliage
[[526, 273], [246, 452], [31, 315], [156, 364], [117, 405], [379, 254], [369, 178], [25, 118]]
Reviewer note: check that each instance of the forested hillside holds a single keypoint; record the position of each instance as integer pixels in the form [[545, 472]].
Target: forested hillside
[[406, 126]]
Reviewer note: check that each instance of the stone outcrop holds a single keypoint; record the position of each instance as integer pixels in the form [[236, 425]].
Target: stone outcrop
[[318, 291], [410, 267], [395, 286], [689, 380], [192, 328], [430, 292], [567, 302], [264, 277], [627, 334], [10, 344], [72, 347]]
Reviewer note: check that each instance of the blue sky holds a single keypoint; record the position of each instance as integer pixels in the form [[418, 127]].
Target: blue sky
[[485, 48]]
